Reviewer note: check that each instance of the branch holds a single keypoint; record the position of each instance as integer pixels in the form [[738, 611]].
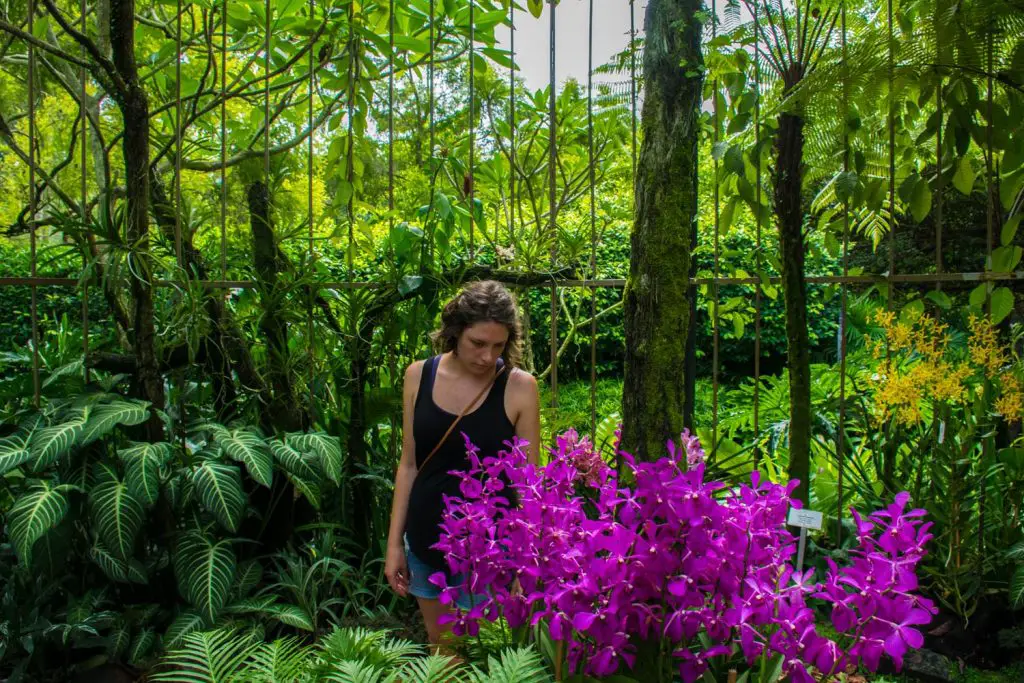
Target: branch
[[41, 44], [90, 47]]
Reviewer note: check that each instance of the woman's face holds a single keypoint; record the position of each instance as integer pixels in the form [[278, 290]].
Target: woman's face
[[481, 344]]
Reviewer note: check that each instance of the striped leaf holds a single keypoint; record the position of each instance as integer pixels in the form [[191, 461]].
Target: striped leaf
[[249, 575], [34, 513], [205, 569], [326, 448], [220, 491], [103, 418], [116, 513], [251, 605], [141, 646], [299, 469], [143, 463], [115, 568], [291, 615], [248, 447], [187, 622], [13, 452], [120, 639], [49, 444]]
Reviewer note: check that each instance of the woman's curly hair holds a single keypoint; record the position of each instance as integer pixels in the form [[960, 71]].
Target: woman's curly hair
[[482, 301]]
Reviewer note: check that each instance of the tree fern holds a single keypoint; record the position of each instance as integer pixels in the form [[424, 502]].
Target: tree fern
[[285, 659], [207, 657], [432, 669], [522, 665]]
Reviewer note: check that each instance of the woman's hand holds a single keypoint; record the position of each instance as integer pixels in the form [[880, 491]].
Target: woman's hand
[[396, 569]]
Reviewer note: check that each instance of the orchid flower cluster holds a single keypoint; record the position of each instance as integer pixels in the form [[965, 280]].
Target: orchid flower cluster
[[690, 563]]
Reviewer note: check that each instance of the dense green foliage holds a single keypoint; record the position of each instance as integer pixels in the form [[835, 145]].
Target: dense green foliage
[[235, 498]]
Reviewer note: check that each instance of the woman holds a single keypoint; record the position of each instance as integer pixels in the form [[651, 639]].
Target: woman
[[475, 376]]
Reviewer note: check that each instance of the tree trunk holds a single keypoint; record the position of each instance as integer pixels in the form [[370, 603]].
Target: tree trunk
[[284, 412], [789, 147], [657, 304], [148, 383]]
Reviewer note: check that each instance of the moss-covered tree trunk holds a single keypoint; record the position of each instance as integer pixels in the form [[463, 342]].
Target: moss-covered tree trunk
[[789, 149], [148, 383], [284, 411], [657, 307]]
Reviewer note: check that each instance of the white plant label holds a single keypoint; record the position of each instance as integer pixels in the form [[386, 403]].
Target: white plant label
[[805, 519]]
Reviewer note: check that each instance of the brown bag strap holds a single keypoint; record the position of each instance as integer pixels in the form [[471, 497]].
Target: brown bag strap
[[462, 415]]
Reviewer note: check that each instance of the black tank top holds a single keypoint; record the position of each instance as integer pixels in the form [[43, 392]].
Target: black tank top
[[488, 427]]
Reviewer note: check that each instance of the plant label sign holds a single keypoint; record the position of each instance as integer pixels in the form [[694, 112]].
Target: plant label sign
[[805, 519]]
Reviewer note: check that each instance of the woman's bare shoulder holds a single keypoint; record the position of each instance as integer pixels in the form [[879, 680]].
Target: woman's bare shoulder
[[522, 380], [413, 372]]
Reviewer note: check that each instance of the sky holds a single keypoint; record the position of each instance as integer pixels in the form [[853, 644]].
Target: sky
[[611, 35]]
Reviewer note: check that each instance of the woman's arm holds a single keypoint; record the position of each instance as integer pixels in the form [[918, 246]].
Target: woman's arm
[[528, 421], [395, 568]]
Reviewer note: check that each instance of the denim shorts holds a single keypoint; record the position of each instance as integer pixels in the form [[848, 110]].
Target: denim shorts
[[420, 586]]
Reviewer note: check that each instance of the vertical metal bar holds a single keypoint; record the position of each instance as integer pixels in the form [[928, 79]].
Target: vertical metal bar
[[632, 84], [512, 127], [266, 97], [223, 142], [392, 357], [552, 210], [940, 184], [310, 334], [472, 133], [593, 224], [350, 171], [891, 122], [714, 287], [757, 248], [83, 105], [430, 119], [991, 190], [177, 138], [841, 430], [36, 385]]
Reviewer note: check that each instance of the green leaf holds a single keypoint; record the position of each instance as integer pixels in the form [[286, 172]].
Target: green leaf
[[34, 513], [1006, 259], [1009, 231], [963, 179], [249, 575], [299, 471], [536, 7], [846, 185], [246, 446], [115, 568], [141, 647], [733, 160], [920, 200], [292, 615], [49, 444], [205, 569], [1017, 588], [326, 448], [142, 464], [116, 512], [220, 491], [187, 622], [940, 299], [977, 296], [14, 451], [1002, 304], [120, 639], [105, 417], [1016, 552]]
